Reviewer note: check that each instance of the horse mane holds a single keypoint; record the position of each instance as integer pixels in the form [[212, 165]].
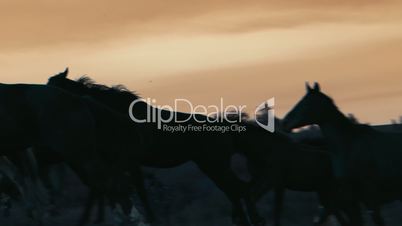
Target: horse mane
[[120, 90]]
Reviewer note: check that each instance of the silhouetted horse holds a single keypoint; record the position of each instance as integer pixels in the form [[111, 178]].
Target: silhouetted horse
[[72, 127], [364, 160], [277, 162], [211, 151]]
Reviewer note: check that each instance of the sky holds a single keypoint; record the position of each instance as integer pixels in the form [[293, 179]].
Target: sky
[[243, 51]]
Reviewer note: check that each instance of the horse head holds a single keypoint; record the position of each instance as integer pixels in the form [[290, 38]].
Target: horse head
[[61, 81], [313, 108]]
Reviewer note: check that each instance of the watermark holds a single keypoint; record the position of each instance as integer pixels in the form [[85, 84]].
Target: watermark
[[202, 118], [267, 121], [180, 128]]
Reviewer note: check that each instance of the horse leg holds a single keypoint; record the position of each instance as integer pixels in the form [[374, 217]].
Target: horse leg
[[239, 217], [52, 175], [45, 177], [347, 212], [122, 207], [126, 205], [138, 179], [255, 218], [327, 208], [88, 208], [6, 204], [101, 211], [375, 214], [123, 199], [7, 207], [96, 177], [278, 202], [11, 185], [7, 191], [323, 215], [353, 212], [231, 186], [36, 196]]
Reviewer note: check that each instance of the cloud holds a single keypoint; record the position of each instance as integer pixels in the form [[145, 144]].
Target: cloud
[[185, 46], [43, 23]]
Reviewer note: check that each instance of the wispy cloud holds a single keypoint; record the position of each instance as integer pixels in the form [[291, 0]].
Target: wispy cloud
[[40, 23], [175, 48]]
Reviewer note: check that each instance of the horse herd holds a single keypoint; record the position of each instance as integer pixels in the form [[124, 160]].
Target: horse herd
[[87, 126]]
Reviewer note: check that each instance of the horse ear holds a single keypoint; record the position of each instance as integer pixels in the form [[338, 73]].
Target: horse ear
[[308, 88], [63, 74], [317, 87]]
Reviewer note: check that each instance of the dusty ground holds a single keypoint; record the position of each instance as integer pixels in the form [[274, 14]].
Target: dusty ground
[[188, 198]]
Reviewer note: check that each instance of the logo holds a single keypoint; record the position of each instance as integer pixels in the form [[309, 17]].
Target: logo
[[202, 118], [265, 115]]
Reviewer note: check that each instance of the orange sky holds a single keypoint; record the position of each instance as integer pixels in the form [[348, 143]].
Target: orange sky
[[243, 51]]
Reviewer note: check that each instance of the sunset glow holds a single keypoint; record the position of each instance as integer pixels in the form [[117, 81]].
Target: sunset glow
[[245, 52]]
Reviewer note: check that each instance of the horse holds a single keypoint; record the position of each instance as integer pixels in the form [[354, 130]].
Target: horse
[[364, 160], [210, 151], [40, 116], [285, 164]]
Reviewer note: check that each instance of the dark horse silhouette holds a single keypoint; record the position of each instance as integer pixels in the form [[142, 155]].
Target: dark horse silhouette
[[278, 162], [211, 151], [300, 167], [365, 161], [74, 128]]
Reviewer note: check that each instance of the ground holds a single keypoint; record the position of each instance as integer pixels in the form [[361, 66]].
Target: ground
[[183, 196]]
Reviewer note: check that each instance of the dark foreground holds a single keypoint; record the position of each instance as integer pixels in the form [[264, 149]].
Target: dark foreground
[[183, 196]]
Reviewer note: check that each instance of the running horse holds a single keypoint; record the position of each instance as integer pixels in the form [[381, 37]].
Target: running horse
[[366, 162], [278, 162], [211, 151]]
